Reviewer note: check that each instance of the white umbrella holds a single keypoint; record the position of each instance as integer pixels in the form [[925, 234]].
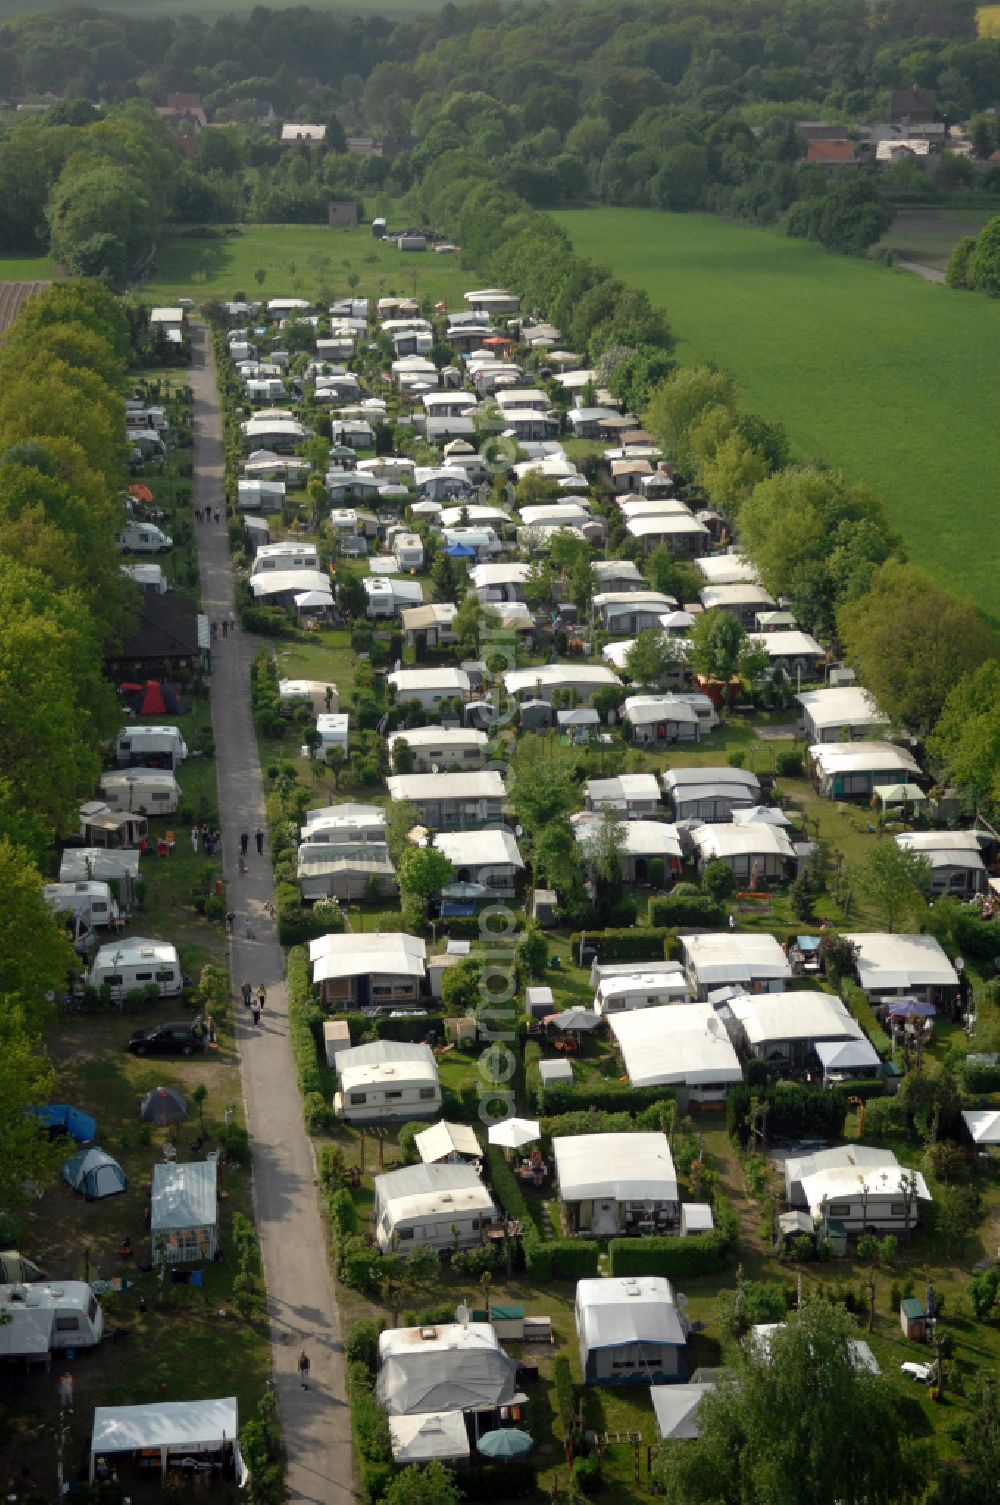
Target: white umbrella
[[512, 1133]]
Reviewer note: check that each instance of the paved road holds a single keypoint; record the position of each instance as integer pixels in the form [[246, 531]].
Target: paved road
[[303, 1310], [929, 274]]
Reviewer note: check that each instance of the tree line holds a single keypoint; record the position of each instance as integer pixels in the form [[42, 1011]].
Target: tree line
[[63, 596]]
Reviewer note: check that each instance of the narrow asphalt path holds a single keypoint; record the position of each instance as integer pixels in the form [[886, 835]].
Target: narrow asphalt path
[[302, 1306], [929, 274]]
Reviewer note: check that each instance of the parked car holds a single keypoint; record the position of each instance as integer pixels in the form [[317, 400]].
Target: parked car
[[179, 1039]]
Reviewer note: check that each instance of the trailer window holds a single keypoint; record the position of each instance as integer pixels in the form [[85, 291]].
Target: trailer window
[[357, 1099], [404, 1233], [114, 982], [166, 977], [840, 1210], [67, 1324], [155, 796], [427, 1094], [144, 977], [394, 1097]]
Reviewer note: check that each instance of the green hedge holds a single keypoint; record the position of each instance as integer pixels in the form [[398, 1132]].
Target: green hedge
[[297, 922], [605, 1097], [701, 1254], [795, 1111], [370, 1435], [562, 1382], [857, 1001], [305, 1025], [545, 1259], [864, 1087], [684, 910], [978, 1078], [637, 943]]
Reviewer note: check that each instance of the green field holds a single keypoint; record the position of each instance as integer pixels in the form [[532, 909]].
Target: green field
[[887, 377], [299, 261]]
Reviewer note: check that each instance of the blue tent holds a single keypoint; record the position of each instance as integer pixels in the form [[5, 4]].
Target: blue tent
[[460, 551], [450, 910], [61, 1118], [95, 1174]]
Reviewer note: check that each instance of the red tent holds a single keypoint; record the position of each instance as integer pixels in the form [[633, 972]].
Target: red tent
[[140, 492], [155, 698]]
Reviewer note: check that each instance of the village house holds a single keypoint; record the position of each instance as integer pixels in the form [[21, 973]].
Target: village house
[[617, 575], [451, 1366], [429, 687], [710, 794], [678, 531], [626, 613], [891, 966], [613, 1183], [354, 971], [857, 770], [755, 851], [345, 870], [783, 1029], [452, 801], [796, 653], [631, 986], [752, 963], [630, 1330], [843, 713], [743, 600], [955, 859], [386, 1080], [679, 1045], [660, 718], [858, 1187], [643, 843], [500, 582], [490, 860], [631, 795], [441, 748], [545, 680]]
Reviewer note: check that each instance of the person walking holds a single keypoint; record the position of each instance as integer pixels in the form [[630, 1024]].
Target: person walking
[[261, 997], [244, 843], [230, 921], [255, 1013], [194, 838], [247, 992], [225, 627], [258, 837], [303, 1369], [232, 621], [251, 933]]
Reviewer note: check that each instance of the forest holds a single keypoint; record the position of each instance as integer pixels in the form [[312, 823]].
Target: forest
[[678, 106]]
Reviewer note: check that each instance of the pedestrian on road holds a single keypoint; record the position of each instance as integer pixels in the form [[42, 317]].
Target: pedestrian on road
[[255, 1013], [261, 997], [251, 933], [194, 838], [232, 621], [244, 842], [303, 1369], [218, 515], [214, 630], [230, 921], [247, 992], [225, 627], [197, 514], [258, 837]]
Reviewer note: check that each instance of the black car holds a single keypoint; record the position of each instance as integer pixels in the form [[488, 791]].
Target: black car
[[180, 1039]]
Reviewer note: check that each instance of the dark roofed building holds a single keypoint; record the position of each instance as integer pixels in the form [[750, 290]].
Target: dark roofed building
[[163, 639], [912, 106]]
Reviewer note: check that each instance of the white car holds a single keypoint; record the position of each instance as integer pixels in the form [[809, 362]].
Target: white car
[[924, 1374]]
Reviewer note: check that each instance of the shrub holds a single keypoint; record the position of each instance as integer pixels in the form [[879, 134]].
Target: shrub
[[795, 1112], [343, 1215], [362, 1344], [701, 1254], [789, 764], [605, 1097], [884, 1116], [587, 1474], [857, 1001], [407, 1135], [317, 1113], [297, 923], [305, 1019], [331, 1167], [976, 1077], [562, 1382], [635, 944], [686, 910], [718, 881]]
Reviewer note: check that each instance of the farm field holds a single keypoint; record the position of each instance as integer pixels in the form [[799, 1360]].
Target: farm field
[[310, 261], [879, 373], [930, 235]]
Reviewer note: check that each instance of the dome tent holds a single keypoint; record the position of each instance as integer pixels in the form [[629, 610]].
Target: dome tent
[[95, 1174]]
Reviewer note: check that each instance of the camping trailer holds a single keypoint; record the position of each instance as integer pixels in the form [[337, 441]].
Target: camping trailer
[[90, 901], [125, 966], [145, 791], [144, 538], [150, 747], [44, 1318]]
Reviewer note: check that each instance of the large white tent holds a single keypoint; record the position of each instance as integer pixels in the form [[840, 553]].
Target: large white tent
[[177, 1429], [429, 1435], [684, 1043]]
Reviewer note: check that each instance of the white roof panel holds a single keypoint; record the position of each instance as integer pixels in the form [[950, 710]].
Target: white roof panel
[[677, 1042], [628, 1167]]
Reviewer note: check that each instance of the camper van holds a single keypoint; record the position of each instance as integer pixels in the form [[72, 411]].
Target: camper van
[[125, 966], [89, 900], [141, 791], [144, 538], [150, 747], [40, 1319]]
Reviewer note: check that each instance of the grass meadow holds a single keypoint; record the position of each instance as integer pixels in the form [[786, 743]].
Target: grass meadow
[[309, 261], [879, 373]]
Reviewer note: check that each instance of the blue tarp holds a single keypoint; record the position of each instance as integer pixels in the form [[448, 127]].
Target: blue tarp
[[62, 1116], [450, 910], [460, 551]]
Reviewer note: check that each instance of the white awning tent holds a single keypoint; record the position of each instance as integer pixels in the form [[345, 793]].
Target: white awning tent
[[177, 1429], [428, 1435], [982, 1123], [676, 1408]]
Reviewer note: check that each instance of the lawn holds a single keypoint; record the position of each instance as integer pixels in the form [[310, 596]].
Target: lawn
[[308, 261], [26, 268], [877, 372]]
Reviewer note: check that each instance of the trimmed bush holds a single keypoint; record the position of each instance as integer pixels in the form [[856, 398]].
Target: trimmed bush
[[362, 1345], [686, 910], [637, 943], [305, 1024], [857, 1001], [866, 1088], [562, 1382], [701, 1254], [606, 1097], [978, 1078], [795, 1111]]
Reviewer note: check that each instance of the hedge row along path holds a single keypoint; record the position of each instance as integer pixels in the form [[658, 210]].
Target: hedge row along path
[[301, 1302]]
